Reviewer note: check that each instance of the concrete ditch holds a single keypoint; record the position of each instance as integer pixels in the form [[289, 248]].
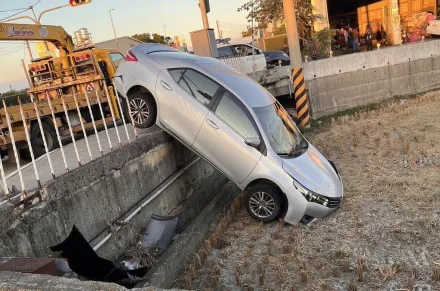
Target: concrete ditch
[[97, 196]]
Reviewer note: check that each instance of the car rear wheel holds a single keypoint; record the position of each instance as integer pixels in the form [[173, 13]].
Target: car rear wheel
[[263, 203], [142, 109]]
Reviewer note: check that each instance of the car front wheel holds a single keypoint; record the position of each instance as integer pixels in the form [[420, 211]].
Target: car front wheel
[[263, 203]]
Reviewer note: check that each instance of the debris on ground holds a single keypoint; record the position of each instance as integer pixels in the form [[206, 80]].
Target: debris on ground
[[84, 261]]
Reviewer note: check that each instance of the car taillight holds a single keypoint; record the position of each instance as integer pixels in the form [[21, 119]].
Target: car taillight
[[130, 57]]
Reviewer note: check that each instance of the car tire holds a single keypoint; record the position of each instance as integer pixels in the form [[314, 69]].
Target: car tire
[[37, 141], [263, 202], [143, 109]]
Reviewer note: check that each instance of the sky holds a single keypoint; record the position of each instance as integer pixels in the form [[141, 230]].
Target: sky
[[129, 16]]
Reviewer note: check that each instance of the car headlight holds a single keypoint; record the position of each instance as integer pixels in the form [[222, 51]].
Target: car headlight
[[310, 195]]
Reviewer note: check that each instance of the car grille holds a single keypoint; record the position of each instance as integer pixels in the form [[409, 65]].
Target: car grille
[[334, 202]]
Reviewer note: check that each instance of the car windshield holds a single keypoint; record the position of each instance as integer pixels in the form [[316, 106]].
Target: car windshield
[[283, 135]]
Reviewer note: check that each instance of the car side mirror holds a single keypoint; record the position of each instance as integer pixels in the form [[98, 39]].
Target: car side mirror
[[253, 142]]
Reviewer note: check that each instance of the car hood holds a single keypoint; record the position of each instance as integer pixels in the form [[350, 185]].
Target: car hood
[[313, 171]]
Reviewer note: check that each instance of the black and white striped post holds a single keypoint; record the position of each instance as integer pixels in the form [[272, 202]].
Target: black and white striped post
[[298, 81]]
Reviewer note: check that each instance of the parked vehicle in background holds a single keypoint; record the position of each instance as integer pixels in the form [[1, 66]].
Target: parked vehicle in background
[[237, 126], [275, 57], [243, 53], [434, 27]]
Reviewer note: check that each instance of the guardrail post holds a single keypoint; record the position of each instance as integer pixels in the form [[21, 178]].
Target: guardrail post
[[57, 131], [28, 139], [110, 104], [103, 118], [93, 120], [37, 113], [17, 159], [82, 123], [122, 110]]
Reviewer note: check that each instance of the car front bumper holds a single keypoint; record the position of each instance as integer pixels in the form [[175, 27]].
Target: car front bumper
[[299, 207]]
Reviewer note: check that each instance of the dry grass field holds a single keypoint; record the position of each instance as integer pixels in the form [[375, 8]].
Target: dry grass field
[[385, 236]]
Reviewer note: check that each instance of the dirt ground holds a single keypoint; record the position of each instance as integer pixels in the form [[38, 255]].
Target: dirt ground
[[385, 236]]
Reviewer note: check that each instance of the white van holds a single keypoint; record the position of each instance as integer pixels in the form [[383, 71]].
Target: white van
[[239, 56]]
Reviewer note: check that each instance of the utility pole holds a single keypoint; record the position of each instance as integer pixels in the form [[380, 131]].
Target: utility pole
[[299, 85], [29, 50], [204, 14], [395, 33], [253, 41], [219, 31], [164, 31], [26, 73], [113, 25]]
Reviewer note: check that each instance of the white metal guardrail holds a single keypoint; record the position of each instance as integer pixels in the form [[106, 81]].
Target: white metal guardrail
[[235, 62], [24, 115]]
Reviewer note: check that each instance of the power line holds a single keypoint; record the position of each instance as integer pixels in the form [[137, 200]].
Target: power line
[[15, 9], [10, 16], [8, 46], [9, 10], [9, 52]]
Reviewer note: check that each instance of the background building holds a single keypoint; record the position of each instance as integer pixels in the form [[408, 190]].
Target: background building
[[125, 43]]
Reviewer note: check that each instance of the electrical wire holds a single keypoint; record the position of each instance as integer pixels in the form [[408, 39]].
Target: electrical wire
[[10, 16], [22, 10], [9, 52], [8, 46], [9, 10]]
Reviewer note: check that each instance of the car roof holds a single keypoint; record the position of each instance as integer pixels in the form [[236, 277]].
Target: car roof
[[245, 88]]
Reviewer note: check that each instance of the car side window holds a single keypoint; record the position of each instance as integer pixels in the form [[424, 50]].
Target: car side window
[[196, 84], [226, 51], [116, 58], [231, 113], [244, 50]]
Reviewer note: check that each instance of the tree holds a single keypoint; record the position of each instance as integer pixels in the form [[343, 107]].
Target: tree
[[319, 45], [280, 30], [267, 11], [13, 97], [144, 37], [158, 38]]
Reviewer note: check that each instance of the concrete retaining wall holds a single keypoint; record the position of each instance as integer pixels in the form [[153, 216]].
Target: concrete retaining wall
[[20, 282], [334, 93], [99, 193], [349, 81]]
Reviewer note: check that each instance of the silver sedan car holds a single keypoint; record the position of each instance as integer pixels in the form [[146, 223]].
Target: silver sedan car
[[234, 124]]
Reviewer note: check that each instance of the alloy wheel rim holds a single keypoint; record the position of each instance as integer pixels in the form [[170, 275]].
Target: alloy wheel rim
[[139, 110], [262, 204]]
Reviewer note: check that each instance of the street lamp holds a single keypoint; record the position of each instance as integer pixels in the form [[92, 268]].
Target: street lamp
[[164, 31], [113, 25]]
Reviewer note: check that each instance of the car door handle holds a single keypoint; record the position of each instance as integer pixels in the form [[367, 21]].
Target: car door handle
[[166, 86], [212, 124]]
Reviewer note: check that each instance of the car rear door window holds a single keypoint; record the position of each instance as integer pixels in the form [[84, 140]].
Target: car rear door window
[[235, 116], [196, 84]]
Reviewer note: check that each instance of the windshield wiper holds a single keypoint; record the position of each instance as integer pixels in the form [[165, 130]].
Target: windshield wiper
[[301, 146]]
